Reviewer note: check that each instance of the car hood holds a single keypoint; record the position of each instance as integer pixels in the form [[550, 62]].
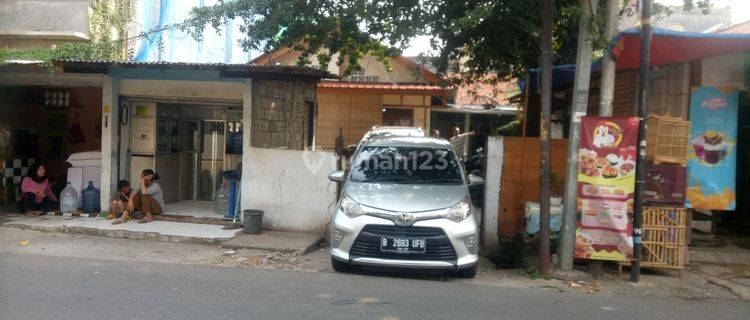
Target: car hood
[[406, 197]]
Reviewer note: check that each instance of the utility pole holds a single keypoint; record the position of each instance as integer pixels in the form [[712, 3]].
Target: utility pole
[[544, 137], [635, 269], [607, 90], [580, 104]]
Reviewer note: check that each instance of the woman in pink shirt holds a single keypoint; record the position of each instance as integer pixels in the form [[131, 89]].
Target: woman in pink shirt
[[37, 198]]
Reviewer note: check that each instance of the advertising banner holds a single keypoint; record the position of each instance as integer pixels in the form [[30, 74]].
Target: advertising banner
[[712, 159], [606, 183]]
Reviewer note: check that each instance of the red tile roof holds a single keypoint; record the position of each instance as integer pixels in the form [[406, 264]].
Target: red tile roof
[[740, 28], [380, 86]]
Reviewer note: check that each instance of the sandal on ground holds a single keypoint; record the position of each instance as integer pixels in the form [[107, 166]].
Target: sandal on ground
[[119, 221], [145, 220], [33, 213]]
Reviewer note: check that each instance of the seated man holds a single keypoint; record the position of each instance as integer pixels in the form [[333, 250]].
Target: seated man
[[123, 197], [147, 197]]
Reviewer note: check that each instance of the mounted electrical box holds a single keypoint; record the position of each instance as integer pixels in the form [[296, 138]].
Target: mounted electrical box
[[143, 128]]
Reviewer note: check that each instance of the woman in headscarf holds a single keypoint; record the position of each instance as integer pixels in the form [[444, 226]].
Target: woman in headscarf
[[37, 197]]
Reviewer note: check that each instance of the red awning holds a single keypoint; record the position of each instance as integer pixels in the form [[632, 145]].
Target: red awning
[[669, 46]]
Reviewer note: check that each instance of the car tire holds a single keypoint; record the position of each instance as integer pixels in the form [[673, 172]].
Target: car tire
[[468, 272], [340, 266]]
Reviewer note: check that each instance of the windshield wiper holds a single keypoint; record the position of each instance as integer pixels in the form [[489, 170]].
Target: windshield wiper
[[441, 180], [391, 179]]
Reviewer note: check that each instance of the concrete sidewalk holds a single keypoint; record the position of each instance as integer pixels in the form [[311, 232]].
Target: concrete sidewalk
[[157, 230], [172, 231]]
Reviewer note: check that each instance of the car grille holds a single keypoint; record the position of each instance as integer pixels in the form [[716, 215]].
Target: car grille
[[438, 246]]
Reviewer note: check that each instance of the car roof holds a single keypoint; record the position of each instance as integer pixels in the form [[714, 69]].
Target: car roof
[[423, 142], [395, 131]]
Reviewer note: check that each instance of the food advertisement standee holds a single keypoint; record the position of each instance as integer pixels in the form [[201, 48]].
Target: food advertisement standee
[[606, 183]]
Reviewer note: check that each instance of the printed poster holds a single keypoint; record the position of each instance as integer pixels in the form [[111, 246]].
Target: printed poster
[[606, 183], [712, 159]]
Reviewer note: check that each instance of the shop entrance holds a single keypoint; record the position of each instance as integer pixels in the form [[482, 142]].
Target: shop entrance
[[51, 125], [193, 145]]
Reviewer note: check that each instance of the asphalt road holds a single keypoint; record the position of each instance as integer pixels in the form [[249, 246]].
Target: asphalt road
[[44, 287]]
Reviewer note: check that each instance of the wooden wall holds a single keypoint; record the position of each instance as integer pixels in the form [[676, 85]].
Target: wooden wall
[[520, 180], [355, 114]]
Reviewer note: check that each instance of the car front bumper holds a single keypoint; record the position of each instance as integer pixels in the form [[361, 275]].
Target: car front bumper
[[456, 232]]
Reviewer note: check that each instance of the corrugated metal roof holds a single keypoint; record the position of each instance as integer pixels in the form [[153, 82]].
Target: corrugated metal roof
[[226, 67]]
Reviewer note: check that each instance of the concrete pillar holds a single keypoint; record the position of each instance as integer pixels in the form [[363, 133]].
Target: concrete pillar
[[247, 104], [110, 94], [490, 240]]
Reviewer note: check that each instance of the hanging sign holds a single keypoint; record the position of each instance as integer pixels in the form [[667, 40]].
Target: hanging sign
[[712, 159], [606, 183]]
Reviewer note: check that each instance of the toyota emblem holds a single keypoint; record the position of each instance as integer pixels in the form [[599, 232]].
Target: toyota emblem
[[405, 218]]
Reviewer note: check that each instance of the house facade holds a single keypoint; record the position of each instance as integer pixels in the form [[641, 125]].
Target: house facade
[[404, 95], [190, 122]]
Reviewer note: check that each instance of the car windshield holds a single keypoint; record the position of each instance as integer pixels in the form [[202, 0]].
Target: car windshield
[[408, 165]]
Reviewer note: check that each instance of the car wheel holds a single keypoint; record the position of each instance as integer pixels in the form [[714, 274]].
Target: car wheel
[[468, 272], [340, 266]]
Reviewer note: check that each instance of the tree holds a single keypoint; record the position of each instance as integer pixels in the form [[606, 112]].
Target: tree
[[486, 37], [498, 36], [318, 27]]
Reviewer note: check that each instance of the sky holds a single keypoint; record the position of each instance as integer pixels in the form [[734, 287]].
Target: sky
[[740, 8]]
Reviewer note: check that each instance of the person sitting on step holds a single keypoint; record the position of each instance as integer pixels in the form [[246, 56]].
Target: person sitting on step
[[37, 197], [147, 197], [123, 197]]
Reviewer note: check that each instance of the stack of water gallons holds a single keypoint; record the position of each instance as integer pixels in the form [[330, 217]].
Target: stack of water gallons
[[90, 199], [83, 179]]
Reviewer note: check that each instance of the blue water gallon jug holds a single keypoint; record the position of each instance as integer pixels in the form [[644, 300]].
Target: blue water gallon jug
[[68, 199], [237, 141], [90, 199]]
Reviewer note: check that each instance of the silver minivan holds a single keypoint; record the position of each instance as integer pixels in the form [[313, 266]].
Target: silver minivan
[[405, 204]]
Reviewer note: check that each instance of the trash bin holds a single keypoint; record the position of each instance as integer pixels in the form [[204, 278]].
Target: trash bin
[[252, 220]]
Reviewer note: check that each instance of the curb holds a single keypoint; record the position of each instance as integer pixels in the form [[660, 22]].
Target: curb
[[121, 234], [310, 248]]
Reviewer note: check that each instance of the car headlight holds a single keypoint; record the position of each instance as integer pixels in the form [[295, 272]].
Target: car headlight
[[460, 211], [350, 207]]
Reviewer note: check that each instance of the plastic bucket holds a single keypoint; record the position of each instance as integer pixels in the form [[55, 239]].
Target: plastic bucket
[[252, 221]]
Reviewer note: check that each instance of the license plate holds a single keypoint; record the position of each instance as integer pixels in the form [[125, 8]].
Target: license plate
[[402, 245]]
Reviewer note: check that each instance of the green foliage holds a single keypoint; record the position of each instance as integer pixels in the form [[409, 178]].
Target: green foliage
[[511, 129], [109, 23], [472, 38]]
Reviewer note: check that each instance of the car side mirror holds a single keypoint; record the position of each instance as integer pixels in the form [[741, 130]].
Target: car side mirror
[[475, 180], [336, 176], [350, 149]]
